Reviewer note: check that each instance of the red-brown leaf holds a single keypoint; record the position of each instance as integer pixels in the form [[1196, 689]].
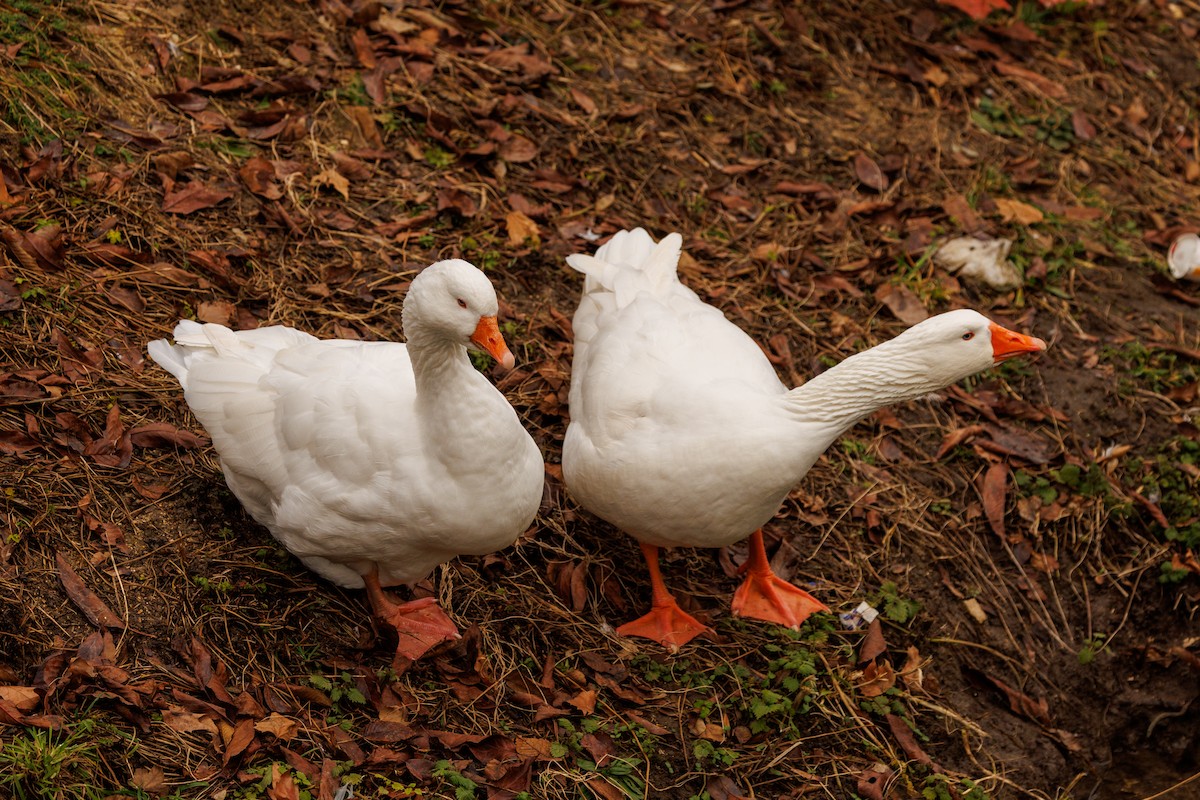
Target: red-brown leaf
[[194, 196], [977, 9], [164, 436], [873, 644], [518, 150], [84, 598], [869, 173], [902, 302], [242, 736], [1081, 123], [995, 487], [259, 176], [908, 742]]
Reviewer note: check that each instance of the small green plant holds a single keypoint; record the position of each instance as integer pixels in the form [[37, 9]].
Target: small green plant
[[1087, 653], [708, 753], [464, 787], [898, 609], [439, 157], [58, 765], [941, 787]]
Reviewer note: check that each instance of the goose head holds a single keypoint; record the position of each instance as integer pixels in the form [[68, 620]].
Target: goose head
[[454, 301], [949, 347]]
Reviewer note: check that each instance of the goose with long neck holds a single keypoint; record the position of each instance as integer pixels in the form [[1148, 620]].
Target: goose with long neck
[[682, 435], [372, 462]]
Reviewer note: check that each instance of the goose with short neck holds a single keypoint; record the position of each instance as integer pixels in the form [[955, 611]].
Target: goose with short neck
[[373, 462], [682, 435]]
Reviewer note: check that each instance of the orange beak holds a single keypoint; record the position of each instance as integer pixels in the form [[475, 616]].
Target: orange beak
[[487, 335], [1006, 343]]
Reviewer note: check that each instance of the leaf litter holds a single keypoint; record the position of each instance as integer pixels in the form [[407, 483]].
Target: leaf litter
[[299, 167]]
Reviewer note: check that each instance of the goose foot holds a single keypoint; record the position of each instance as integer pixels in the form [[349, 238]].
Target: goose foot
[[764, 595], [667, 624], [771, 599], [420, 625]]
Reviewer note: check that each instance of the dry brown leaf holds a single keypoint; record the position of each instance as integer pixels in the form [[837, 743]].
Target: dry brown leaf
[[259, 176], [869, 173], [995, 488], [182, 721], [241, 738], [873, 644], [1016, 211], [221, 312], [23, 698], [908, 742], [84, 598], [151, 780], [877, 678], [1082, 125], [335, 180], [521, 227], [518, 150], [279, 726], [873, 781], [583, 101], [165, 436], [902, 302], [585, 701], [194, 196]]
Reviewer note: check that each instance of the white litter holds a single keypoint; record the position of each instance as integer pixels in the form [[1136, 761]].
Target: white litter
[[984, 260], [1184, 257]]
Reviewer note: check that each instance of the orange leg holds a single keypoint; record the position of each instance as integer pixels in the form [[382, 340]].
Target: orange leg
[[419, 624], [667, 623], [764, 596]]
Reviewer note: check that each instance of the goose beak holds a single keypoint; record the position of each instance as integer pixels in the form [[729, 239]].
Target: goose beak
[[487, 336], [1006, 343]]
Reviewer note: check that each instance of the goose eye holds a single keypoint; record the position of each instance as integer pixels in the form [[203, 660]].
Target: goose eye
[[462, 303], [968, 336]]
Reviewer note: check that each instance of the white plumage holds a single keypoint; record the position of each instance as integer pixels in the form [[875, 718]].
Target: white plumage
[[681, 433], [360, 456]]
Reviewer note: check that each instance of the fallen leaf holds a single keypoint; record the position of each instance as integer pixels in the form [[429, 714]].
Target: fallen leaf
[[1016, 211], [585, 701], [84, 598], [151, 780], [279, 726], [975, 610], [977, 9], [1019, 702], [908, 742], [182, 721], [164, 436], [902, 302], [873, 644], [877, 678], [1082, 125], [873, 782], [518, 150], [241, 738], [259, 176], [334, 179], [221, 312], [520, 228], [995, 487], [583, 101], [194, 196], [869, 173], [23, 698]]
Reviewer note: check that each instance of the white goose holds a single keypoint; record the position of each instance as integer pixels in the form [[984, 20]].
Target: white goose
[[682, 435], [373, 462]]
